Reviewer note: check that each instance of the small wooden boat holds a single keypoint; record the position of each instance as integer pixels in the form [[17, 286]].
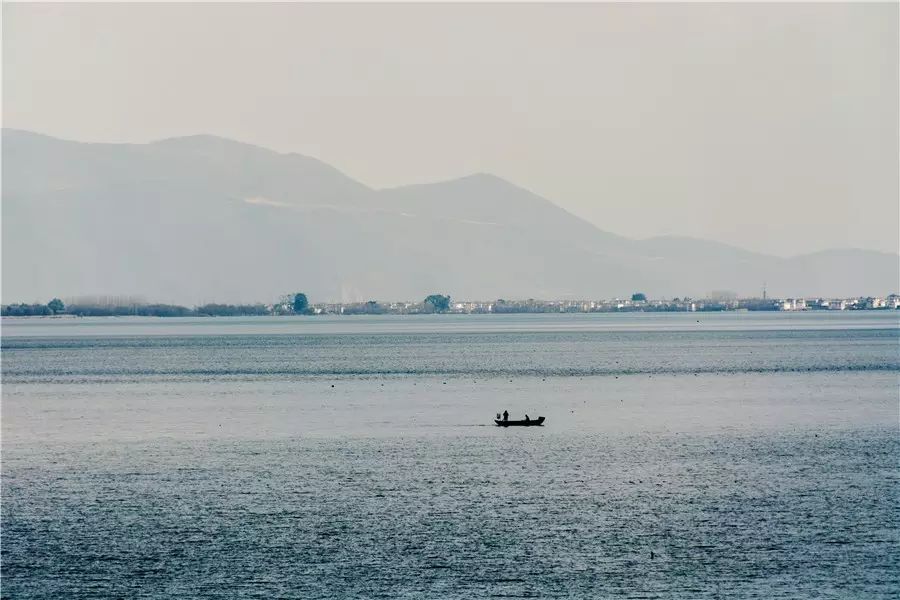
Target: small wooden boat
[[532, 422]]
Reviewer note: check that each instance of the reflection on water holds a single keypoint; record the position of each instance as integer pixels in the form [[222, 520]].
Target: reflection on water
[[361, 324]]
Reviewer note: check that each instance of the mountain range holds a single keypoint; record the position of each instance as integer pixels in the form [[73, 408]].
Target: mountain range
[[202, 218]]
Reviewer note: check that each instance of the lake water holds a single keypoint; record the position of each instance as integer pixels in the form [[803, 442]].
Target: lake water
[[683, 456]]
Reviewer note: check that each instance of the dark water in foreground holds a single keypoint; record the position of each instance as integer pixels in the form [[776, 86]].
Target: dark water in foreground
[[744, 456]]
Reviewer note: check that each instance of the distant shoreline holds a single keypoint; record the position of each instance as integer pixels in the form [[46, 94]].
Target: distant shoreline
[[298, 304], [68, 317]]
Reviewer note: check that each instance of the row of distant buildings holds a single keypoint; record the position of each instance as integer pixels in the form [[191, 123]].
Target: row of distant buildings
[[865, 303], [614, 305], [799, 304]]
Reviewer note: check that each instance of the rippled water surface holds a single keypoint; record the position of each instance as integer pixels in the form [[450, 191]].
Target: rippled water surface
[[683, 456]]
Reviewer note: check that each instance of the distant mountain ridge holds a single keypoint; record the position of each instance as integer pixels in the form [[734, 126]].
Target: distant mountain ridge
[[202, 218]]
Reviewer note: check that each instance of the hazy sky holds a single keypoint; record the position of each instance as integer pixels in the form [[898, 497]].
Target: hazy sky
[[772, 127]]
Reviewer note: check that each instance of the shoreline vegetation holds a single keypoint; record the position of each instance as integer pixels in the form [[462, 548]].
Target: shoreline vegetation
[[298, 304]]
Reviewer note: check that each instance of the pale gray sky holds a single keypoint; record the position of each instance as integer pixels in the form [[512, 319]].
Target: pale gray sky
[[772, 127]]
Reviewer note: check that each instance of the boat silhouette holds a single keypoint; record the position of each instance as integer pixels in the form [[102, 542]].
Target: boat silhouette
[[523, 423]]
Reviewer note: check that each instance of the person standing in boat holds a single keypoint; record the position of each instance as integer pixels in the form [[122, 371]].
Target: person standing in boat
[[505, 416]]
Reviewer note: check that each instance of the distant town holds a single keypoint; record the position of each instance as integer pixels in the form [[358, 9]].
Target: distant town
[[298, 304]]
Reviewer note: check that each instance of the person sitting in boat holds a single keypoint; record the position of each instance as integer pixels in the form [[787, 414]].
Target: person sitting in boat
[[505, 416], [526, 418]]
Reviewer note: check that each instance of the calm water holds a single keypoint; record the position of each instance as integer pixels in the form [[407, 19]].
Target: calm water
[[684, 456]]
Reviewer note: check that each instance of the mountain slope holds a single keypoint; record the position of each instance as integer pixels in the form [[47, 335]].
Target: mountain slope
[[203, 218]]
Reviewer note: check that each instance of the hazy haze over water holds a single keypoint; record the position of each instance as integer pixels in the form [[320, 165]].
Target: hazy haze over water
[[772, 127], [689, 456]]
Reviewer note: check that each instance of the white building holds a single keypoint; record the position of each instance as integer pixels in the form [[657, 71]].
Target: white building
[[875, 303]]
